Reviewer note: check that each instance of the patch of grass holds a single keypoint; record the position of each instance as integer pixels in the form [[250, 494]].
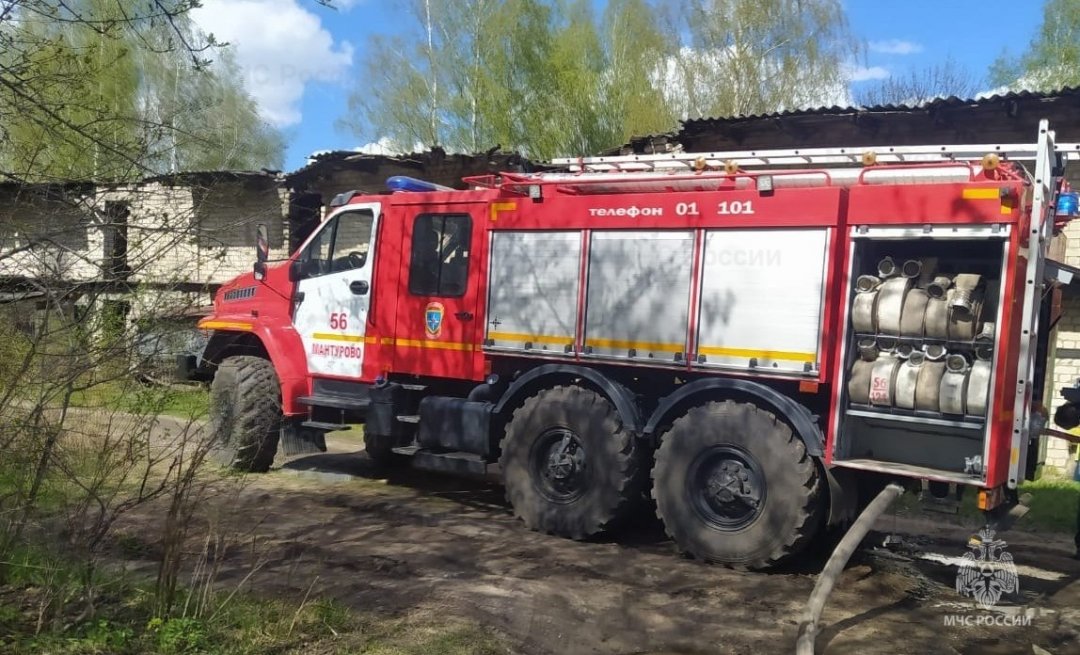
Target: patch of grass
[[183, 402], [235, 623], [1053, 506]]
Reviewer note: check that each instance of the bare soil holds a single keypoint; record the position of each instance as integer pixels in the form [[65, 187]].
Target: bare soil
[[424, 545]]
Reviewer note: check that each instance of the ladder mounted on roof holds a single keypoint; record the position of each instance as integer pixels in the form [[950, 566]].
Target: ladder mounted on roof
[[801, 157]]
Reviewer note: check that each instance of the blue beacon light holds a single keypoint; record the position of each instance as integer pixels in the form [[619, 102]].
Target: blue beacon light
[[406, 183]]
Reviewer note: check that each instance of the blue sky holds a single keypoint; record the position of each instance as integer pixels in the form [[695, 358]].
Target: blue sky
[[301, 59]]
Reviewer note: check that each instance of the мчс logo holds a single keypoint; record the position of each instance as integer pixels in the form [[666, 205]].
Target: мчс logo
[[987, 571]]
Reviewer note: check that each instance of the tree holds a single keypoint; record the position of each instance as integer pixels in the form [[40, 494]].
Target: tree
[[744, 57], [541, 77], [637, 52], [1052, 60], [93, 89], [918, 86]]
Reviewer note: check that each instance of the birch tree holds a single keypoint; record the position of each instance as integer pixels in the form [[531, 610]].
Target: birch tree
[[1052, 59], [745, 57]]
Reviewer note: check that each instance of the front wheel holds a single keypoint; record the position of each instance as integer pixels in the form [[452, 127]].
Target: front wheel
[[734, 485], [569, 464], [245, 413]]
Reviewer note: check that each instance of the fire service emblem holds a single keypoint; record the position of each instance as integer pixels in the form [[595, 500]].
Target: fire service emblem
[[433, 318]]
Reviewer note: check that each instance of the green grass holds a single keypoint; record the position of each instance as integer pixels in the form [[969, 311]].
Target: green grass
[[1053, 506], [240, 624], [186, 402]]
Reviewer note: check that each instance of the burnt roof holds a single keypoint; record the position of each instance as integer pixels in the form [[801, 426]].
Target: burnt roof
[[1002, 118], [434, 165]]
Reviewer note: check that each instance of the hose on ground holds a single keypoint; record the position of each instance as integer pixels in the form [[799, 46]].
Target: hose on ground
[[808, 627]]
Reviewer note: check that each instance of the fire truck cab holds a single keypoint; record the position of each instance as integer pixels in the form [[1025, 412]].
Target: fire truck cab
[[746, 337]]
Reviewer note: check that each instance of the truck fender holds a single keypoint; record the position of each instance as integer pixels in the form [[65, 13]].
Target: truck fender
[[550, 374], [281, 346], [800, 417]]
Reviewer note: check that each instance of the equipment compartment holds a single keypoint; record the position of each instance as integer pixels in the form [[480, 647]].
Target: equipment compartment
[[920, 351]]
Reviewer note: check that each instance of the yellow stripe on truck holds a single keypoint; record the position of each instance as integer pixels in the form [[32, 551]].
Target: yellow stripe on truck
[[620, 344], [348, 338], [531, 338], [225, 325], [758, 354], [436, 345]]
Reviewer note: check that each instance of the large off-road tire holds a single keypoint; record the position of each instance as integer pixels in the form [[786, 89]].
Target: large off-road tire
[[570, 466], [245, 413], [734, 485]]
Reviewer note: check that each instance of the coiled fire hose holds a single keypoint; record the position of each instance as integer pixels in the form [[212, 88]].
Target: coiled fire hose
[[808, 627]]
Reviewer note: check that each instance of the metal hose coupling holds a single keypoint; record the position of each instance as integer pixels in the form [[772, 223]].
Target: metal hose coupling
[[866, 283], [966, 283], [938, 286], [934, 351], [887, 268], [886, 344], [984, 343], [868, 349], [911, 268]]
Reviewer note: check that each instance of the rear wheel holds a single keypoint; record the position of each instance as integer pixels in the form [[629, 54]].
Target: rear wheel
[[734, 485], [569, 464], [245, 413]]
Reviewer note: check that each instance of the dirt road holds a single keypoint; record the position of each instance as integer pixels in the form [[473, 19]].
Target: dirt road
[[422, 544]]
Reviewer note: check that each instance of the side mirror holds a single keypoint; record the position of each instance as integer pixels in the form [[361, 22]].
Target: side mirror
[[262, 251], [296, 270], [262, 244]]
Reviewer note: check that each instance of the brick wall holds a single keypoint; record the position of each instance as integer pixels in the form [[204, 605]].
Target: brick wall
[[49, 233], [1064, 370]]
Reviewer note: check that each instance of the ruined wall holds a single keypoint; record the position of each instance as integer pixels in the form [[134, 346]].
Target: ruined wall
[[49, 232]]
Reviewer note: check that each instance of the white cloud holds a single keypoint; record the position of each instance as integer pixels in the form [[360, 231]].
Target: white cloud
[[866, 73], [280, 46], [345, 5], [896, 47]]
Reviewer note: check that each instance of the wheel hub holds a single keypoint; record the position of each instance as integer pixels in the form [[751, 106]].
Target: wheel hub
[[726, 487], [560, 465]]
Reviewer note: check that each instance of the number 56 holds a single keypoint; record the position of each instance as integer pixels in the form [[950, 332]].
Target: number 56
[[339, 321]]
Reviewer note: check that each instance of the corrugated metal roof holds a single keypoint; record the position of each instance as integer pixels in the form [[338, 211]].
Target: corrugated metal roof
[[951, 101]]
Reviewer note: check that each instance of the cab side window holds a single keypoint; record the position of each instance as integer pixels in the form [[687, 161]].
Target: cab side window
[[341, 245], [439, 264]]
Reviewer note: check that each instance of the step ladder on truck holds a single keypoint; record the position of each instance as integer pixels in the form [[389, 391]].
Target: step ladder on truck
[[755, 339]]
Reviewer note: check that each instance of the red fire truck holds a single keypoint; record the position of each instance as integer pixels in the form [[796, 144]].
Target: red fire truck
[[748, 337]]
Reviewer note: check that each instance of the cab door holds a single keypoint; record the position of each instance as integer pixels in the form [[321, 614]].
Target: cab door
[[437, 312], [333, 292]]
